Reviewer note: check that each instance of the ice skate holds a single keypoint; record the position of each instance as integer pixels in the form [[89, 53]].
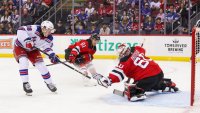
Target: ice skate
[[170, 86], [51, 87], [138, 97], [27, 89]]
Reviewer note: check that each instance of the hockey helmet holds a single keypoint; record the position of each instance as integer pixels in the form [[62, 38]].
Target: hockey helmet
[[123, 50], [95, 36], [48, 25]]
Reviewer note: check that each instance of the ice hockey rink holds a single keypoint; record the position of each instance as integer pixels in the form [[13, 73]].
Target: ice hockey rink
[[74, 97]]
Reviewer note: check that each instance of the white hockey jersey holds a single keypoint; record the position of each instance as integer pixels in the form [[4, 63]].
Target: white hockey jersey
[[34, 33]]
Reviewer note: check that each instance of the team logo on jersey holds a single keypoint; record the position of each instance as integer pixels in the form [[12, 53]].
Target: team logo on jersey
[[6, 43]]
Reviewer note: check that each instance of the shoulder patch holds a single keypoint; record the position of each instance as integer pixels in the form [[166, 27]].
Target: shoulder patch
[[38, 31]]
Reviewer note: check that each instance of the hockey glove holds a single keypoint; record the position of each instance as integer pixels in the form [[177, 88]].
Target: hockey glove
[[79, 61], [104, 81], [97, 76], [72, 58], [29, 43], [54, 58]]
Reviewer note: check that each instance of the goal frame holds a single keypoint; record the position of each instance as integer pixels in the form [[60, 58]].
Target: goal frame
[[194, 60]]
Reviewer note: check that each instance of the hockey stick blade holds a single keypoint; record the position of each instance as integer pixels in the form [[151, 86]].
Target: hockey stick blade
[[118, 92]]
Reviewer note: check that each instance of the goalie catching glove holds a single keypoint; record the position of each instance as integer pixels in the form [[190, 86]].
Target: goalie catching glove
[[103, 81]]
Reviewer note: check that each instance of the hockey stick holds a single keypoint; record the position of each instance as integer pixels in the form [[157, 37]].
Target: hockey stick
[[66, 64], [54, 64]]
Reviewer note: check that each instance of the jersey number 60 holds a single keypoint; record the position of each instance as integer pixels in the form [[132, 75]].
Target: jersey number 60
[[141, 61]]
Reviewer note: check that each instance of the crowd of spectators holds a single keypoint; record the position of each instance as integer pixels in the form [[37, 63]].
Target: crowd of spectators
[[101, 16], [97, 16], [30, 11]]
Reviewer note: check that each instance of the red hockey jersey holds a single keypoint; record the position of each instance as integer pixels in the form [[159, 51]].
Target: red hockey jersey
[[136, 66], [83, 47]]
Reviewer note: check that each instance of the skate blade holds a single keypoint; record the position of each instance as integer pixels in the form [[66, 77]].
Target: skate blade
[[29, 94], [134, 99]]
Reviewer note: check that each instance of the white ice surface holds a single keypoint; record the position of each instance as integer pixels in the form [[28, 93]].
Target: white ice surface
[[74, 97]]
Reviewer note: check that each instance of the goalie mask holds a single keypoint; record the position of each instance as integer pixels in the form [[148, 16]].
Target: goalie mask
[[123, 50]]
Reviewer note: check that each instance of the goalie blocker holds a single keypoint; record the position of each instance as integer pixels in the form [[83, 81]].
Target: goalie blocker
[[145, 72]]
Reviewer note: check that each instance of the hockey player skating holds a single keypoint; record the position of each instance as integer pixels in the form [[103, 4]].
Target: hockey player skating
[[146, 73], [29, 38], [81, 55]]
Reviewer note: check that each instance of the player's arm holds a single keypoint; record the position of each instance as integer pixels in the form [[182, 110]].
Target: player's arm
[[116, 75], [24, 40], [46, 46], [80, 47]]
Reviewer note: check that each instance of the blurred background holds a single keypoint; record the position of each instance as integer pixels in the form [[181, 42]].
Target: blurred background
[[102, 16]]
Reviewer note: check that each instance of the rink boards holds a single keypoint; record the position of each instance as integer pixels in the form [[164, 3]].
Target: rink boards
[[172, 48]]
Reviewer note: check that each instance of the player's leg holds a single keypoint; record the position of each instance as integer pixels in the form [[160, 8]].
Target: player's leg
[[21, 57], [137, 90], [166, 85], [36, 58], [134, 93], [88, 69]]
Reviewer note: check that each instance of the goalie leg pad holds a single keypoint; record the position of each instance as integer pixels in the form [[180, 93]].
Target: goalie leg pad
[[134, 93]]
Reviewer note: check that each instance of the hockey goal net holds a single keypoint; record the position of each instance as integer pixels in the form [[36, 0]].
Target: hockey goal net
[[195, 65]]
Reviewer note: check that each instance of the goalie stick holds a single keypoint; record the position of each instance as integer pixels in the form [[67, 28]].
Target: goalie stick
[[118, 92], [66, 65]]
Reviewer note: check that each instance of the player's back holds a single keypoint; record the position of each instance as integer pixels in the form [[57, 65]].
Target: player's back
[[138, 66], [84, 47]]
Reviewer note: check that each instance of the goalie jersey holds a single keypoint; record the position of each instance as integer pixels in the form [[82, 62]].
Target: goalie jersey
[[136, 66]]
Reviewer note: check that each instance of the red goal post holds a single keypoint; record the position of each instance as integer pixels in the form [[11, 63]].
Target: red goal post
[[195, 64]]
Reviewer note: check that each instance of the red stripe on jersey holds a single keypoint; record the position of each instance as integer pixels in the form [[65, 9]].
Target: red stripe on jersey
[[114, 78]]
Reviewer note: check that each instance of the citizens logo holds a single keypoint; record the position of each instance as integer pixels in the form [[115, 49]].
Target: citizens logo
[[6, 43]]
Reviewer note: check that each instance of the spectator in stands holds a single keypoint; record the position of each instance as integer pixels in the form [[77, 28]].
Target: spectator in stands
[[148, 25], [29, 5], [117, 16], [3, 29], [2, 10], [155, 4], [10, 29], [104, 30], [161, 15], [102, 10], [81, 30], [171, 15], [182, 12], [82, 16], [47, 3], [93, 29], [89, 10], [15, 19], [26, 18], [6, 17], [125, 25], [116, 28], [122, 5], [159, 26], [146, 11], [94, 19], [60, 29], [135, 27]]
